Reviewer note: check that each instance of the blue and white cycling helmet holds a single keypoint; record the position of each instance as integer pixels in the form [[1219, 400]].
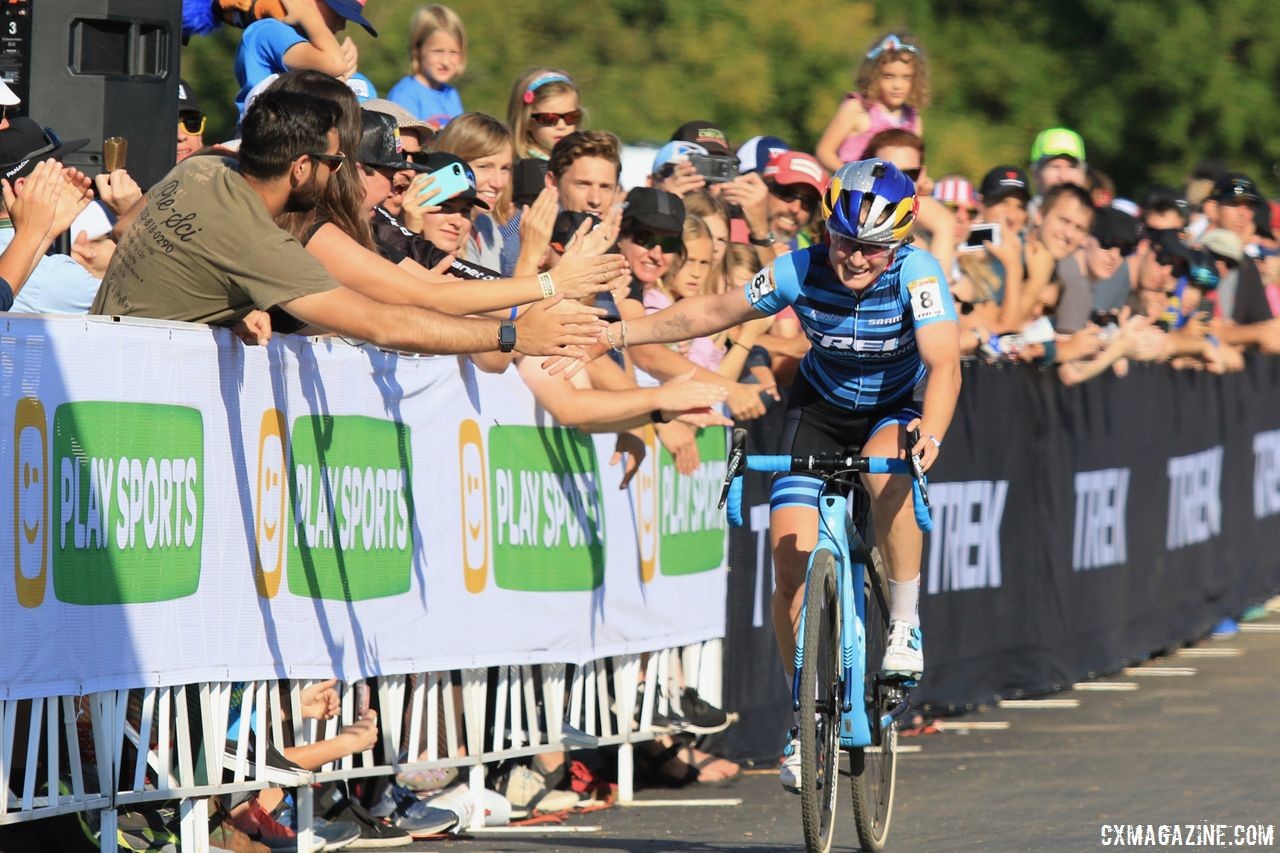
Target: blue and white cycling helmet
[[878, 185]]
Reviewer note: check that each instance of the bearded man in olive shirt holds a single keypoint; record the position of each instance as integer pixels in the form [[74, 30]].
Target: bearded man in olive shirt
[[202, 247]]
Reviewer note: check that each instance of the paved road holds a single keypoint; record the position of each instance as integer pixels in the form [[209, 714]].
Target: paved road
[[1201, 748]]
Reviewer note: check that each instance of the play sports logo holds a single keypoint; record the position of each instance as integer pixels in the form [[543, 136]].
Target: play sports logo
[[533, 516], [352, 488], [113, 507], [692, 526], [271, 505]]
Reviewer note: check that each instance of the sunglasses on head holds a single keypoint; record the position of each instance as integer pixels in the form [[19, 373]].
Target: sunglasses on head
[[552, 119], [192, 123], [333, 161], [891, 43], [52, 142], [788, 193], [646, 239]]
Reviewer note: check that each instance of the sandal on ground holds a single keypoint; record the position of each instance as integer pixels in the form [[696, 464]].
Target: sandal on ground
[[663, 769], [698, 765]]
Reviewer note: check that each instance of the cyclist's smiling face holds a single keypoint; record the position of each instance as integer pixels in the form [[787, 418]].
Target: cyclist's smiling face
[[857, 265]]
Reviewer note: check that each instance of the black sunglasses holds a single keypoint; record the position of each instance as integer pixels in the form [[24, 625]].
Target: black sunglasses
[[647, 239], [1126, 247], [333, 161], [802, 193], [913, 174], [192, 123], [53, 143]]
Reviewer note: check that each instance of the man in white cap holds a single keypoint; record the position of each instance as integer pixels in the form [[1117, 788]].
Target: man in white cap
[[8, 98]]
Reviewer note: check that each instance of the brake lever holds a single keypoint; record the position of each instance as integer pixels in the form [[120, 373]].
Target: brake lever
[[917, 467]]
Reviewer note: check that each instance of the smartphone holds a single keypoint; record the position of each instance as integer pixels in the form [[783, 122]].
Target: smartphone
[[715, 169], [447, 183], [979, 233]]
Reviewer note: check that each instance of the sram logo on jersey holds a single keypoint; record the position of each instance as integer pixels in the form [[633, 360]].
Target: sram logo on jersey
[[964, 548], [1195, 503], [1100, 540]]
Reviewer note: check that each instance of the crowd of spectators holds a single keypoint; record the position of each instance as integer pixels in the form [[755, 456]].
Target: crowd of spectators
[[333, 211]]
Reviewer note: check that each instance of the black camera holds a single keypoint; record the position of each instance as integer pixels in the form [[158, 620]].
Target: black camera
[[1194, 264]]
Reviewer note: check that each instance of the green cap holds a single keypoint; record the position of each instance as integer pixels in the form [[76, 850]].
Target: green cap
[[1057, 142]]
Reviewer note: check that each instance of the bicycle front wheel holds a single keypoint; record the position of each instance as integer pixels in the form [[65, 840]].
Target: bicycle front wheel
[[820, 703], [873, 768]]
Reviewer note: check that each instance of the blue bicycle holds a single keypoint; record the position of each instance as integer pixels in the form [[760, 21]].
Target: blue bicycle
[[843, 630]]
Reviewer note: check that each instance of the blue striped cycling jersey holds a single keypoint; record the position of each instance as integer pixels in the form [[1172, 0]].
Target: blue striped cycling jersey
[[864, 345]]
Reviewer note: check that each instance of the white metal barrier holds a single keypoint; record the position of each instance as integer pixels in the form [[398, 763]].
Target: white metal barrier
[[116, 749]]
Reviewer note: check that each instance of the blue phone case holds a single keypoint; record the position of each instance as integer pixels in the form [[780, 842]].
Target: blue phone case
[[449, 181]]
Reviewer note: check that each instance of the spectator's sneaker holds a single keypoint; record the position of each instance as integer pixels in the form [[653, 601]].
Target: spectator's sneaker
[[660, 723], [789, 770], [904, 652], [261, 827], [702, 718], [374, 833], [335, 834], [1226, 627], [1255, 613]]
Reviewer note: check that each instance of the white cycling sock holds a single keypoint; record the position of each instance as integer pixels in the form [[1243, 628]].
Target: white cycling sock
[[904, 601]]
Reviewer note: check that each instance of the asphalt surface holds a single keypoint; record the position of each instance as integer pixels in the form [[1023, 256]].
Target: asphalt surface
[[1202, 748]]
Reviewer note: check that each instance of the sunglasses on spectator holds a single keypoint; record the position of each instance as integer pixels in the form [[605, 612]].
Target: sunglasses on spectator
[[52, 140], [913, 174], [192, 123], [333, 161], [788, 193], [552, 119], [1126, 248], [647, 239]]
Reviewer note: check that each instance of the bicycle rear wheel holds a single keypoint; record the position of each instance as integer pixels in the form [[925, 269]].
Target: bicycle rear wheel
[[873, 768], [820, 704]]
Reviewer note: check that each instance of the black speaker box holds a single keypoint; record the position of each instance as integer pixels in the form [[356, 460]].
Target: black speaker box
[[98, 69]]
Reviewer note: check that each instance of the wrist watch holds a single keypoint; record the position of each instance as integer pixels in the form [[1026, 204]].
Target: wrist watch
[[506, 336], [767, 240]]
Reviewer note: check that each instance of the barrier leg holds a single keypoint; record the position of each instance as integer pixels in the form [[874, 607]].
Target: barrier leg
[[304, 800], [107, 835], [626, 675], [194, 824]]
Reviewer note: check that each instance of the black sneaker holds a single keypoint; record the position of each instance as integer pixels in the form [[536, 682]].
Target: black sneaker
[[702, 718], [660, 723], [374, 833]]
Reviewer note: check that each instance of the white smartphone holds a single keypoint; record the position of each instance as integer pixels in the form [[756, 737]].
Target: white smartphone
[[979, 233]]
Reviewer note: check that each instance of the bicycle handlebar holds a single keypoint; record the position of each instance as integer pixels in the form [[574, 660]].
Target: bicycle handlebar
[[731, 493]]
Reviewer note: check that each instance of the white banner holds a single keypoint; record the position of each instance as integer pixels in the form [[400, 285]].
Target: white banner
[[187, 509]]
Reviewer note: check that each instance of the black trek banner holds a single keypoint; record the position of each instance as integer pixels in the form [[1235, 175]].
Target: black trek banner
[[1077, 530]]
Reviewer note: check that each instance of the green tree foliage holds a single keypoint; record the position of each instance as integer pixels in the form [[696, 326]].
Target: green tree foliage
[[1152, 87]]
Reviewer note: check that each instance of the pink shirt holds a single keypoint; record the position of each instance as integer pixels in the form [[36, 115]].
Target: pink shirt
[[701, 351], [851, 148]]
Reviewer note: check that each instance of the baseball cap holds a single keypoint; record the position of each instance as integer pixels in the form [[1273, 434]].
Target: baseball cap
[[380, 141], [1114, 227], [1002, 182], [353, 11], [955, 191], [1057, 142], [653, 208], [707, 134], [437, 160], [1162, 197], [755, 153], [528, 178], [796, 167], [1235, 187], [187, 102], [1224, 243], [567, 224], [674, 152], [8, 97], [25, 143]]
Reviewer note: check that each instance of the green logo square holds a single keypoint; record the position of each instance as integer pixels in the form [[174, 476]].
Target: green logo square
[[692, 532]]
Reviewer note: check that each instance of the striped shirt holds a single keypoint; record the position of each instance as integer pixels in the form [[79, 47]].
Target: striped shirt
[[864, 351]]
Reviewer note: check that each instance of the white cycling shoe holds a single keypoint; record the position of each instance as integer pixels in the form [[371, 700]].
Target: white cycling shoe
[[904, 652], [789, 771]]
